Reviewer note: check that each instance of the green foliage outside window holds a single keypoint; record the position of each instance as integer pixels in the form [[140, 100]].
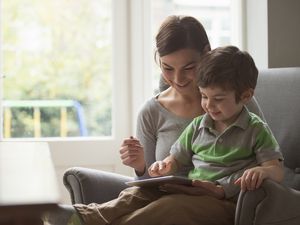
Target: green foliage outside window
[[58, 50]]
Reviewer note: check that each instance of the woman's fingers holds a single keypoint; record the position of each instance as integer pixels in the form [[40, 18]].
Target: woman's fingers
[[131, 142], [132, 153]]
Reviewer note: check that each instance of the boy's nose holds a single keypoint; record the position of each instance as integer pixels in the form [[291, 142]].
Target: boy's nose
[[209, 104]]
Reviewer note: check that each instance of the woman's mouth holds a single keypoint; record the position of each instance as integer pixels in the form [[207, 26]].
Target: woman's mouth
[[182, 85]]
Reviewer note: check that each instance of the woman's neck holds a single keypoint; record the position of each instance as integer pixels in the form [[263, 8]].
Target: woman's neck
[[183, 105]]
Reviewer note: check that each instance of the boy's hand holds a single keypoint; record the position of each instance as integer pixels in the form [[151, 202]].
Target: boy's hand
[[251, 178], [160, 168]]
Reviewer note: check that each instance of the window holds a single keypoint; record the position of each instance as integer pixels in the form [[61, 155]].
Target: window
[[57, 63], [87, 74]]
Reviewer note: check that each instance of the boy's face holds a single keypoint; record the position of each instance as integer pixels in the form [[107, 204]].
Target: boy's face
[[221, 104]]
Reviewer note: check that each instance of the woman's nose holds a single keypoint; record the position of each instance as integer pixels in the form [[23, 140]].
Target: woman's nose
[[179, 77]]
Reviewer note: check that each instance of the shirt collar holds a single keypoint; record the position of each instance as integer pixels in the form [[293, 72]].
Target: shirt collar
[[242, 121]]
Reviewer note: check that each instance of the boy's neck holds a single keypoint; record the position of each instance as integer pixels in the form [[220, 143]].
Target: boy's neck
[[221, 126]]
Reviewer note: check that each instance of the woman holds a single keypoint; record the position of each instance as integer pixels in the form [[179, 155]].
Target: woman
[[180, 43]]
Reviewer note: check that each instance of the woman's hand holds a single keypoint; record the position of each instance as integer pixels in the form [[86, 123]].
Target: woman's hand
[[199, 187], [132, 154]]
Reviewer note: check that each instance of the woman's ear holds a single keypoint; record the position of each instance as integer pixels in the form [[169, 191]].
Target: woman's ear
[[206, 48], [247, 95]]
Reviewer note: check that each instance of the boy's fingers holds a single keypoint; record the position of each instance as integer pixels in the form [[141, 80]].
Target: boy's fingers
[[161, 166], [243, 184], [259, 181], [254, 182], [238, 181], [152, 168], [156, 168]]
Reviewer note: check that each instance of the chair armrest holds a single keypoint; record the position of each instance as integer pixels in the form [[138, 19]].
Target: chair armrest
[[90, 185], [273, 203]]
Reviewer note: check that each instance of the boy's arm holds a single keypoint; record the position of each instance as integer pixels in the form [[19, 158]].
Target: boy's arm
[[161, 168], [252, 178]]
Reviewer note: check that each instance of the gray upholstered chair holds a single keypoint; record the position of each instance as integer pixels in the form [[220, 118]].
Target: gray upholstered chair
[[278, 94]]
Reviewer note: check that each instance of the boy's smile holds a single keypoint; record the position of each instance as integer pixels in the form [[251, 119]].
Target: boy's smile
[[221, 105]]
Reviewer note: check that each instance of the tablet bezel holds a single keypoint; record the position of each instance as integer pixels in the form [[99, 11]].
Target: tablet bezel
[[158, 181]]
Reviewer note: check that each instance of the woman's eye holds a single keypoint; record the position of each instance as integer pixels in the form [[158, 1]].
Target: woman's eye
[[189, 68], [167, 69]]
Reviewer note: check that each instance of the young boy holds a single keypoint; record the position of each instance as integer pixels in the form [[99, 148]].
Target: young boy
[[228, 146]]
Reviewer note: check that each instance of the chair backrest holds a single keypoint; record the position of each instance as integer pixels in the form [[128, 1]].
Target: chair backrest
[[278, 94]]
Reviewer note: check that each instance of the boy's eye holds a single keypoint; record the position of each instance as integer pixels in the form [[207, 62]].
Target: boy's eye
[[219, 99]]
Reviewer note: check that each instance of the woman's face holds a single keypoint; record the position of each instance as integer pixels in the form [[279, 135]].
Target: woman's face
[[179, 69]]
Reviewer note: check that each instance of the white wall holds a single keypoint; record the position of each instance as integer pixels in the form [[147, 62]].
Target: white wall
[[257, 31], [284, 33]]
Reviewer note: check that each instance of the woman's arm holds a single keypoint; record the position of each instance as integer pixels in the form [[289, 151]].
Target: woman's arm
[[146, 134]]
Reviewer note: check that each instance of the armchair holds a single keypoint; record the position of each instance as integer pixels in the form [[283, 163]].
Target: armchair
[[278, 94]]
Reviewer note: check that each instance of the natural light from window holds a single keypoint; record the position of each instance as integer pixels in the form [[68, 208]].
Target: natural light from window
[[57, 63]]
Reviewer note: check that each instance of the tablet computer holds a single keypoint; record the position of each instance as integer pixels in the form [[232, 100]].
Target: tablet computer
[[157, 181]]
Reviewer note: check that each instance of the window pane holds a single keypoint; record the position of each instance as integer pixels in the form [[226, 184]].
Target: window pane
[[214, 15], [56, 58]]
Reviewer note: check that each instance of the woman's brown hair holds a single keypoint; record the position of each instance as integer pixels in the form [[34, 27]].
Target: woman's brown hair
[[179, 32]]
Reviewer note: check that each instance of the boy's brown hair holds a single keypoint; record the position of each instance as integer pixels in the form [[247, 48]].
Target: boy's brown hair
[[228, 68]]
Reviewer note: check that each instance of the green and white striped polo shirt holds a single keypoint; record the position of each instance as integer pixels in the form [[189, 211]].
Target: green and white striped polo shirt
[[246, 143]]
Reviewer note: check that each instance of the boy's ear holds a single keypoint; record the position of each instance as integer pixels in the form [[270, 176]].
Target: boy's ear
[[247, 95]]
